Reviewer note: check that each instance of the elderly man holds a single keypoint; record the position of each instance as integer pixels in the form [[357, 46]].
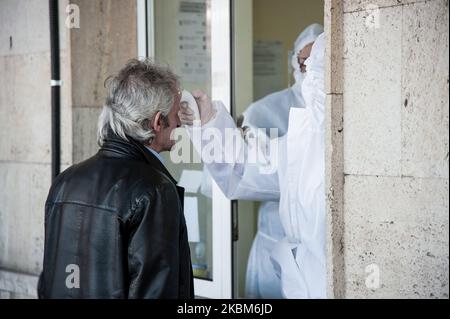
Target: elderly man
[[114, 224]]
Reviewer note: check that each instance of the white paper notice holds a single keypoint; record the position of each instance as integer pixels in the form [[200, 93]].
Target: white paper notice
[[193, 52], [267, 68], [191, 216], [190, 180]]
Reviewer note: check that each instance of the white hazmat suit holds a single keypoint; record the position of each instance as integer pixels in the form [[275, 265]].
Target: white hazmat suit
[[272, 111], [298, 183]]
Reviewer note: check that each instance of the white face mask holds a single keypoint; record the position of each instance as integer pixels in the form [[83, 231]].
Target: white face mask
[[297, 86], [313, 87], [298, 76], [313, 84], [308, 90]]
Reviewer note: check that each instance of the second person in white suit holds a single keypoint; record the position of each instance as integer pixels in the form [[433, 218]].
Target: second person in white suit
[[272, 111]]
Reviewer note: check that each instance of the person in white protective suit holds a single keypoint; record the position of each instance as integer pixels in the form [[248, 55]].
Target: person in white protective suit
[[298, 183], [272, 111]]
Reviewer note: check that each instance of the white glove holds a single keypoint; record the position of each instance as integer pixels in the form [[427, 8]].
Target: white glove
[[205, 107]]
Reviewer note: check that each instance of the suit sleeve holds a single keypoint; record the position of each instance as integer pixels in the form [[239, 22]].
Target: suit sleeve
[[241, 170], [153, 250]]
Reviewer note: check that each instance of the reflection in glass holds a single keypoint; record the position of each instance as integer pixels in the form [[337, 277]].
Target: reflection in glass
[[183, 40]]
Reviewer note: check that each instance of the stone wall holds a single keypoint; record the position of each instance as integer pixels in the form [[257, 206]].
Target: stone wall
[[388, 122], [25, 144], [102, 45], [105, 40], [387, 137]]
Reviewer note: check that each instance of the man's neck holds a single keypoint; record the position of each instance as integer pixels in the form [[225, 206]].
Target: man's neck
[[155, 153], [156, 148]]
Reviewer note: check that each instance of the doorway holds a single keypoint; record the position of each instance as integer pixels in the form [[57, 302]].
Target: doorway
[[263, 39], [237, 52]]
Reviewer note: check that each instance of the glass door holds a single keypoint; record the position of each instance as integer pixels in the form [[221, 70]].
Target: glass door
[[193, 37]]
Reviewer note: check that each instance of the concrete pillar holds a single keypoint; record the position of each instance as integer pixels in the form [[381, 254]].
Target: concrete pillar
[[393, 114], [102, 45], [334, 183], [105, 40], [25, 174]]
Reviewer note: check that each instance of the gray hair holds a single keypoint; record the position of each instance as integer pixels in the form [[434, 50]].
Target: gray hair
[[140, 90]]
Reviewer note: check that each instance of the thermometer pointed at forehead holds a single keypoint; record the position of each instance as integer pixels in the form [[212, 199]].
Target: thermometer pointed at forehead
[[187, 97]]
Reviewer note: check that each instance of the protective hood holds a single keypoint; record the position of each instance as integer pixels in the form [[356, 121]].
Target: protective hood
[[272, 111], [308, 35], [313, 85]]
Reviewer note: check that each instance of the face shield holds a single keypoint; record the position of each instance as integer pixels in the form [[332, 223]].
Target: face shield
[[314, 78], [308, 36]]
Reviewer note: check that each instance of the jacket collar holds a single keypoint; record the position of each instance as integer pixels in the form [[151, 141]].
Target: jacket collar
[[116, 146]]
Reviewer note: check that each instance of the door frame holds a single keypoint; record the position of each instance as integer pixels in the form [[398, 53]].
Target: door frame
[[222, 283], [334, 146]]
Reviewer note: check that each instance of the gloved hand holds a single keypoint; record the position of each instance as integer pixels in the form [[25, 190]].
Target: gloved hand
[[185, 114], [205, 107]]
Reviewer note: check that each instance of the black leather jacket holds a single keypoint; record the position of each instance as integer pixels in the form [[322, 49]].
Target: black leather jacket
[[118, 219]]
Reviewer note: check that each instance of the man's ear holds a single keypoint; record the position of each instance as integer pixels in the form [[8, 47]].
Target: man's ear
[[156, 122]]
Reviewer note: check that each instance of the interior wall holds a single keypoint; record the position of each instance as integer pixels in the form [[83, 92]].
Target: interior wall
[[283, 20], [243, 88]]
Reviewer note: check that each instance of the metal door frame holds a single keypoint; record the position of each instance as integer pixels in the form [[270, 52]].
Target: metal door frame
[[222, 284]]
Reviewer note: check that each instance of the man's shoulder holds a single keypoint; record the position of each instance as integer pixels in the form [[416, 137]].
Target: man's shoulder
[[124, 176], [127, 187], [144, 179], [151, 189]]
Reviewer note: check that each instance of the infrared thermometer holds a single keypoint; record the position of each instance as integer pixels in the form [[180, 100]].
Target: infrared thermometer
[[189, 99]]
